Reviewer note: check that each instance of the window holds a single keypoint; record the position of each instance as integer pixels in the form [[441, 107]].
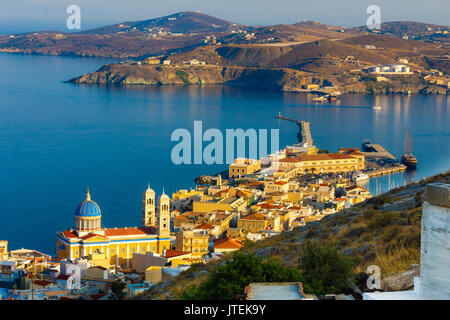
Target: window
[[112, 251]]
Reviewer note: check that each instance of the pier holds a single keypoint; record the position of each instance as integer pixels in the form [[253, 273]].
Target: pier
[[385, 171], [378, 152]]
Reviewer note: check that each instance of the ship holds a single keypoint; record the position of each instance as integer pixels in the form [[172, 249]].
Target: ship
[[408, 159]]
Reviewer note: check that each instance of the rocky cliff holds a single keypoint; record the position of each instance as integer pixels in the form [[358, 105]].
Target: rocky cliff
[[135, 74]]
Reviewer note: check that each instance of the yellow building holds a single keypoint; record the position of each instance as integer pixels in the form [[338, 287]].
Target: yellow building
[[98, 259], [276, 186], [185, 194], [217, 203], [117, 244], [3, 249], [253, 223], [242, 167], [327, 162], [195, 242]]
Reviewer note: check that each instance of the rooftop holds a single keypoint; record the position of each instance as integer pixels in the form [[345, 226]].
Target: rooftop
[[274, 291]]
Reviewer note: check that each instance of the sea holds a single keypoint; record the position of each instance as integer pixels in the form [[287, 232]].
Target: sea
[[58, 138]]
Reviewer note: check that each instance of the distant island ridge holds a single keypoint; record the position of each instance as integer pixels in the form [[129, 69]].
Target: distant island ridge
[[194, 48]]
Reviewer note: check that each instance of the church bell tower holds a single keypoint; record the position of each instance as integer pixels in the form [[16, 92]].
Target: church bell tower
[[164, 216], [148, 210]]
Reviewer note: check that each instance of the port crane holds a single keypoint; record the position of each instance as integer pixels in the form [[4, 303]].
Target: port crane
[[304, 132]]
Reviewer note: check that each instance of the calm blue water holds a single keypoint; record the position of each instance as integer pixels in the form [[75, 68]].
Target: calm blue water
[[58, 138]]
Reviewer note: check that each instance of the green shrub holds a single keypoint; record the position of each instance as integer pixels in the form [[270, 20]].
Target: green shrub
[[325, 269], [183, 75], [226, 281]]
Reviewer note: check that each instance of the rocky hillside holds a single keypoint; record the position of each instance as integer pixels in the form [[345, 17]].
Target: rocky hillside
[[285, 68], [384, 230], [125, 74]]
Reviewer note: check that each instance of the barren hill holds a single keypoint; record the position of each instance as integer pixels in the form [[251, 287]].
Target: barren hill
[[181, 22], [409, 28], [303, 55]]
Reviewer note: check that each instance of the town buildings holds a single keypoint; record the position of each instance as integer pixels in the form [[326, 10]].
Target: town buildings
[[118, 244]]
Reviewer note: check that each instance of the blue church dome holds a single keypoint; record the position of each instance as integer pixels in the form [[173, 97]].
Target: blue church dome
[[88, 208]]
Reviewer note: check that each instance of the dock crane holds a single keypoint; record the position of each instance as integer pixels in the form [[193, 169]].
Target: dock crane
[[304, 132]]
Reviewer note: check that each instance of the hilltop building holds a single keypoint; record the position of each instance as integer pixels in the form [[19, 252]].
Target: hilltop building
[[117, 244]]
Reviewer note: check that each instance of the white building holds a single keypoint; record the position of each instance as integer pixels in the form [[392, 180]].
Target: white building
[[434, 281]]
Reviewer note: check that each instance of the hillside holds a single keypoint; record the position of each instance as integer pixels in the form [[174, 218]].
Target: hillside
[[285, 68], [181, 22], [92, 45], [384, 230], [411, 29], [126, 74], [304, 54]]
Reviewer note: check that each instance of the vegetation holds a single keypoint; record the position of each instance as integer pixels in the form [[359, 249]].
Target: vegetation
[[230, 279], [324, 268], [183, 75], [117, 288]]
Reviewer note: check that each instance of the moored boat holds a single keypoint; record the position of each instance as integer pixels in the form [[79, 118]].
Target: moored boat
[[408, 159]]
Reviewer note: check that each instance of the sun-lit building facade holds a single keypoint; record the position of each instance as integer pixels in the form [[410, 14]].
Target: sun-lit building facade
[[117, 244]]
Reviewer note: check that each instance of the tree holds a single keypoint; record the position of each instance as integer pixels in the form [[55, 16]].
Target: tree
[[117, 289], [325, 269], [230, 279]]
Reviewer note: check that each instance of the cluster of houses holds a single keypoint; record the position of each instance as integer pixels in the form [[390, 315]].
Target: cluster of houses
[[260, 199]]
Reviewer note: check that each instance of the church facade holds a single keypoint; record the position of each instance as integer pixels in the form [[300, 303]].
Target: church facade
[[118, 244]]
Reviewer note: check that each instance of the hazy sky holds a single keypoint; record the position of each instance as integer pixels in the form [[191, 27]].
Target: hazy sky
[[29, 15]]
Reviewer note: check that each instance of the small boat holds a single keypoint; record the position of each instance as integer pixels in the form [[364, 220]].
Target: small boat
[[358, 177], [376, 107], [408, 159]]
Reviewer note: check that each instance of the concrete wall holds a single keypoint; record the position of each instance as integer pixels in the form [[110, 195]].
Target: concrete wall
[[435, 248]]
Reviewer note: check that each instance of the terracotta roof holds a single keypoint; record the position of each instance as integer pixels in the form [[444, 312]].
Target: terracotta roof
[[42, 283], [254, 216], [92, 235], [205, 226], [282, 183], [227, 243], [69, 234], [174, 253], [63, 277], [133, 231], [98, 267], [222, 191], [268, 206], [355, 187]]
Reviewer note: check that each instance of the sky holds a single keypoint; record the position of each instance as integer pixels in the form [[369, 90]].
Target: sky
[[34, 15]]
